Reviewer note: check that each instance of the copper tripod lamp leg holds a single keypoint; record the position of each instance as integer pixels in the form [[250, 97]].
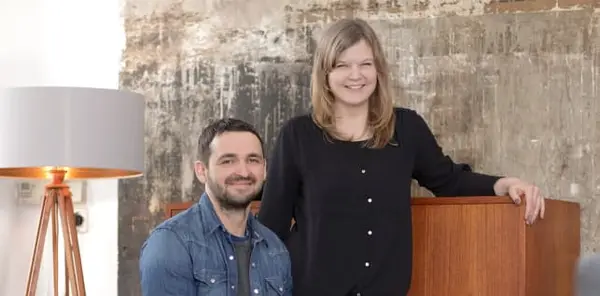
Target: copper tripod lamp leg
[[57, 200], [34, 270]]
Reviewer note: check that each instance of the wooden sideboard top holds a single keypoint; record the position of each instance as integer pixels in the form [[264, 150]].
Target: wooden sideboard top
[[174, 208]]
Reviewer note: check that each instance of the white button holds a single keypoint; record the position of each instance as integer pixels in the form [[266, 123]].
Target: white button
[[369, 200], [253, 264], [255, 291], [212, 281], [363, 171], [280, 289], [369, 232], [230, 257], [367, 264], [233, 287]]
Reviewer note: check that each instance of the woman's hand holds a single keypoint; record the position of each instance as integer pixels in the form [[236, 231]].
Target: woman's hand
[[518, 189]]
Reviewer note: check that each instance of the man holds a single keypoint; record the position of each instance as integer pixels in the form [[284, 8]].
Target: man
[[217, 247]]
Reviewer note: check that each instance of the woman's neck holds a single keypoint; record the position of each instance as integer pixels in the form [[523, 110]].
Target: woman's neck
[[351, 122]]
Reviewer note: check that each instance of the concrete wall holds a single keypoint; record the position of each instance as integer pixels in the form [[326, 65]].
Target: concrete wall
[[508, 87], [60, 42]]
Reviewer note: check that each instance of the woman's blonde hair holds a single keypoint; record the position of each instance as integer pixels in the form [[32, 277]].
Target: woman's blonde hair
[[334, 40]]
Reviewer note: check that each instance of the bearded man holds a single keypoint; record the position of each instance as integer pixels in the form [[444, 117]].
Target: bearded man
[[217, 247]]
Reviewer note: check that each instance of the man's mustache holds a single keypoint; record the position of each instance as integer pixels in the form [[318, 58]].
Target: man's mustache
[[237, 178]]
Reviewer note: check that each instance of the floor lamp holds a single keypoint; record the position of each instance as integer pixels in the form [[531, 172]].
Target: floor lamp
[[60, 133]]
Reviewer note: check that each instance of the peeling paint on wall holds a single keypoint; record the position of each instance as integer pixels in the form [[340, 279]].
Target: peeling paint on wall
[[253, 12], [506, 93]]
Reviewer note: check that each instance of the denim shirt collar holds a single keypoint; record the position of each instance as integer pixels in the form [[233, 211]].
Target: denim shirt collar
[[212, 223]]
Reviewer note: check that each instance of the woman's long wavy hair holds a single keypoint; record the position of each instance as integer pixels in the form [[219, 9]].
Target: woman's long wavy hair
[[333, 41]]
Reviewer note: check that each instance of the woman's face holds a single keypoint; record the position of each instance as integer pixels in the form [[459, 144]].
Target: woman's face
[[354, 76]]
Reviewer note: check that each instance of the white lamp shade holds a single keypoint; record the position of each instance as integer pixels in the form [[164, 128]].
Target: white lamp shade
[[93, 133]]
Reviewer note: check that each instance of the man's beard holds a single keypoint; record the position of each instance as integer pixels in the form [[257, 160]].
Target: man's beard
[[226, 201]]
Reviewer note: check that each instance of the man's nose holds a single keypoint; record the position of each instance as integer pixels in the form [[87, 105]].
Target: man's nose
[[243, 170]]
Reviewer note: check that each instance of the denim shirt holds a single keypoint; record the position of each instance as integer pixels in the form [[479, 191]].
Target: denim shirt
[[191, 254]]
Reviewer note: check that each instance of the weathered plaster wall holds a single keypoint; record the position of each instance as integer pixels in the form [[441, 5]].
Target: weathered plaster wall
[[511, 93]]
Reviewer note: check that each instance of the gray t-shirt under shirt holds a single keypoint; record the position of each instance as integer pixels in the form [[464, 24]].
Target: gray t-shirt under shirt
[[243, 249]]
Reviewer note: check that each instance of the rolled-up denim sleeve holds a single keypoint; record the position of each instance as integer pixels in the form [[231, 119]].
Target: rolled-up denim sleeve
[[165, 266]]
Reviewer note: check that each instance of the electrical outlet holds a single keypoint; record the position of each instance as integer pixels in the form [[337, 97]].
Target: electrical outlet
[[32, 191], [77, 190], [81, 219]]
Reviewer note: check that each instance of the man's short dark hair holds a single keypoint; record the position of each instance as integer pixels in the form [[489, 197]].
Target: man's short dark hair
[[219, 127]]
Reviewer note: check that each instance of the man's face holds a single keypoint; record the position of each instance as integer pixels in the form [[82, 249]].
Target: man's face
[[236, 170]]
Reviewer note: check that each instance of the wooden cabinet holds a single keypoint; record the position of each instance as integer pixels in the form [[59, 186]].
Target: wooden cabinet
[[481, 246]]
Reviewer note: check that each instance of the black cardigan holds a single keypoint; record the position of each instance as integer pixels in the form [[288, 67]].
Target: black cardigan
[[353, 232]]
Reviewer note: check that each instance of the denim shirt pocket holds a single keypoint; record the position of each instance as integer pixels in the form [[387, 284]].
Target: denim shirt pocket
[[211, 282], [274, 285]]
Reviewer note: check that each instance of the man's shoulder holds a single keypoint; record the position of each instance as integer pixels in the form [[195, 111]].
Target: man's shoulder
[[165, 261], [184, 225]]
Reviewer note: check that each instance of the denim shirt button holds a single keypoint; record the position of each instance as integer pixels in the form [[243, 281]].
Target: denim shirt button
[[230, 257], [255, 291]]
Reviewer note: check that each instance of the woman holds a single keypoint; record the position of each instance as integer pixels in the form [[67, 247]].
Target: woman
[[343, 173]]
